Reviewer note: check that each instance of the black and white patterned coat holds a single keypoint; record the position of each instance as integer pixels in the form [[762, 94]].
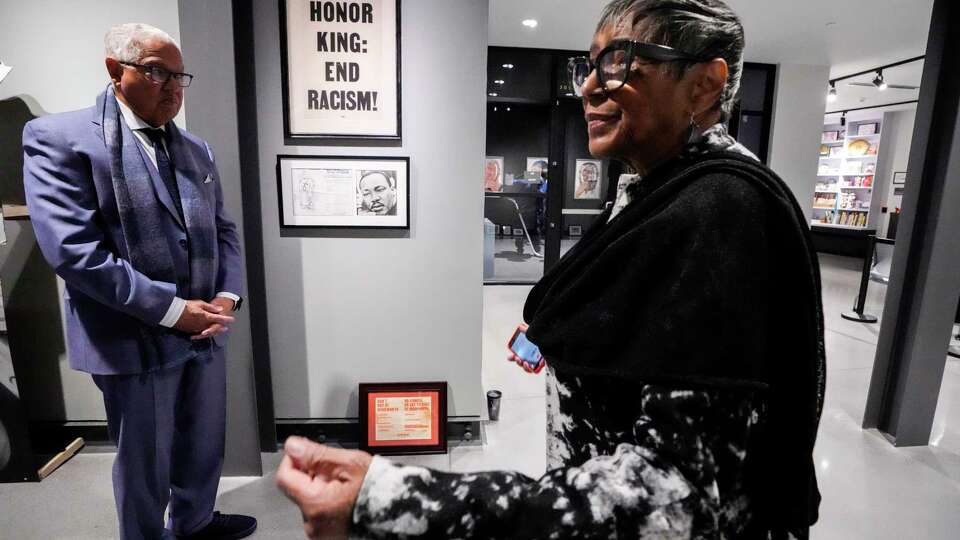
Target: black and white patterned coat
[[625, 460]]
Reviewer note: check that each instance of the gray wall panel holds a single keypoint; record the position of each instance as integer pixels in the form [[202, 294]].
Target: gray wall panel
[[206, 33], [345, 308]]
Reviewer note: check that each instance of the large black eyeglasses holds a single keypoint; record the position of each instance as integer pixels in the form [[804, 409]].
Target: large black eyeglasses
[[615, 62], [159, 75]]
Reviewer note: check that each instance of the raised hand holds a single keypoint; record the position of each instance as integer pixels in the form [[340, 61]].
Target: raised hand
[[324, 482]]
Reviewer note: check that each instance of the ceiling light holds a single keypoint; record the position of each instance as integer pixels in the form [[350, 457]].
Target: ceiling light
[[832, 94], [508, 109], [530, 23], [493, 94], [879, 82], [498, 81], [508, 66], [843, 119]]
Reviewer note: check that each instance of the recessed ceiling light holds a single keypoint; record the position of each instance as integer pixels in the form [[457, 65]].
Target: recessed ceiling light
[[493, 94], [508, 66], [508, 108], [530, 23], [498, 81]]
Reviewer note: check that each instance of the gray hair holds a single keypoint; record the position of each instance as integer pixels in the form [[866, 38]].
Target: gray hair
[[706, 28], [125, 42]]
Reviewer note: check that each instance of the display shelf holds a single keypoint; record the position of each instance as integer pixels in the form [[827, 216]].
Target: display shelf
[[850, 208], [835, 225]]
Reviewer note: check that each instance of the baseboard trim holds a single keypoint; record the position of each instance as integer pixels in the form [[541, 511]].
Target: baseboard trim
[[346, 432]]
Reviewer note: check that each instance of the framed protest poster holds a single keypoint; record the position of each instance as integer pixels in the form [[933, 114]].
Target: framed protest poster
[[340, 62], [361, 192], [587, 182], [493, 173], [403, 418]]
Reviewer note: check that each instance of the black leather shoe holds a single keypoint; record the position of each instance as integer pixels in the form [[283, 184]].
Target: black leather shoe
[[225, 527]]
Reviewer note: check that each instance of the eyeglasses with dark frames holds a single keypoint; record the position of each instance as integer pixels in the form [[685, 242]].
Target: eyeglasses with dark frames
[[614, 63], [160, 75]]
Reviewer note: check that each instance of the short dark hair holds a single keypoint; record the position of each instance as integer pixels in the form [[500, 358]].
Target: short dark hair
[[705, 28]]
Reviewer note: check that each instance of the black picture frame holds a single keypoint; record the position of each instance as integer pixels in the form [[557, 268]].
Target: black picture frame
[[281, 200], [285, 90], [899, 178], [365, 389]]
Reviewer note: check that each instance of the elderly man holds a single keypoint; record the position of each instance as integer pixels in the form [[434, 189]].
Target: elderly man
[[128, 210]]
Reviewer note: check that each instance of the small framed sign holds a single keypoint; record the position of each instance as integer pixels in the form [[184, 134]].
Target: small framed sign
[[403, 418], [575, 230], [899, 178], [359, 192]]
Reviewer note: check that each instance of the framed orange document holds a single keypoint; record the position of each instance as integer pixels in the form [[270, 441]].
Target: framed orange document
[[403, 418]]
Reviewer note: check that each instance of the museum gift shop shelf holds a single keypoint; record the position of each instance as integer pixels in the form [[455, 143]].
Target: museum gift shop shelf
[[845, 173]]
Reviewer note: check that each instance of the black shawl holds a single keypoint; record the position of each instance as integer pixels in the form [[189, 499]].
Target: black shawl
[[709, 278]]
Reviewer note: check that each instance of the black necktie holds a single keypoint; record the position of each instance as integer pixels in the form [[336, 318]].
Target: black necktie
[[165, 166]]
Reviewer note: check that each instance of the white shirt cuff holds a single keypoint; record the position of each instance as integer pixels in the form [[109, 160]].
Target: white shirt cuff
[[230, 295], [174, 312]]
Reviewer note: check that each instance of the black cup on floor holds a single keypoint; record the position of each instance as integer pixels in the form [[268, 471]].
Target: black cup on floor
[[493, 404]]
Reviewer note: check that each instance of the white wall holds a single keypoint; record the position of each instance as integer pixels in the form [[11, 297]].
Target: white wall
[[56, 46], [898, 131], [797, 127], [56, 50], [347, 308]]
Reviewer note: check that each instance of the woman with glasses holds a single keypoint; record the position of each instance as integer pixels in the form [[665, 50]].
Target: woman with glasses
[[683, 334]]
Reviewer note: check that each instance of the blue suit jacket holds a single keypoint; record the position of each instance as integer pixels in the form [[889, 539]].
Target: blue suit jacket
[[78, 228]]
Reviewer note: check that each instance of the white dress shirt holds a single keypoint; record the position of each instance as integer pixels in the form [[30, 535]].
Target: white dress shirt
[[136, 124]]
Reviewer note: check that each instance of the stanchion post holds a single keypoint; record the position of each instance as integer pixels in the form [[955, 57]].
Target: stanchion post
[[857, 314]]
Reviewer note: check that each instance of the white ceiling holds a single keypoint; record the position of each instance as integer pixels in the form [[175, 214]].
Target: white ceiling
[[847, 35]]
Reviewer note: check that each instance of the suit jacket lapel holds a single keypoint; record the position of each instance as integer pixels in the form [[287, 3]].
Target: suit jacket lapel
[[188, 175]]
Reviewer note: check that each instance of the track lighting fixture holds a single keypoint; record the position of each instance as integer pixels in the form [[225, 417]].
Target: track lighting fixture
[[832, 94], [879, 82]]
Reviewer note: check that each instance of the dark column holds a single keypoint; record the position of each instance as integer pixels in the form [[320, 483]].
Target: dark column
[[206, 36], [925, 278]]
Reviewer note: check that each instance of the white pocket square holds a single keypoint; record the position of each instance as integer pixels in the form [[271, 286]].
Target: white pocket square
[[208, 179]]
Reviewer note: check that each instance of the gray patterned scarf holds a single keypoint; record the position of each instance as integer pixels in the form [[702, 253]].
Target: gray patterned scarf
[[145, 242], [141, 216]]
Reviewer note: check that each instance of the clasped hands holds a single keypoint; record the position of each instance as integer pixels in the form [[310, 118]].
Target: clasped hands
[[204, 320]]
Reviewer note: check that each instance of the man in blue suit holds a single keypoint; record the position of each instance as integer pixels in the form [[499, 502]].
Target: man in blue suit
[[128, 210]]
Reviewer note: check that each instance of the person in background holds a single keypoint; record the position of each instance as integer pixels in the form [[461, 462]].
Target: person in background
[[683, 335], [128, 210]]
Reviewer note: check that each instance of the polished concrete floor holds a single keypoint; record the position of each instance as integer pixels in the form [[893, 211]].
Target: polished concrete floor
[[871, 489]]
